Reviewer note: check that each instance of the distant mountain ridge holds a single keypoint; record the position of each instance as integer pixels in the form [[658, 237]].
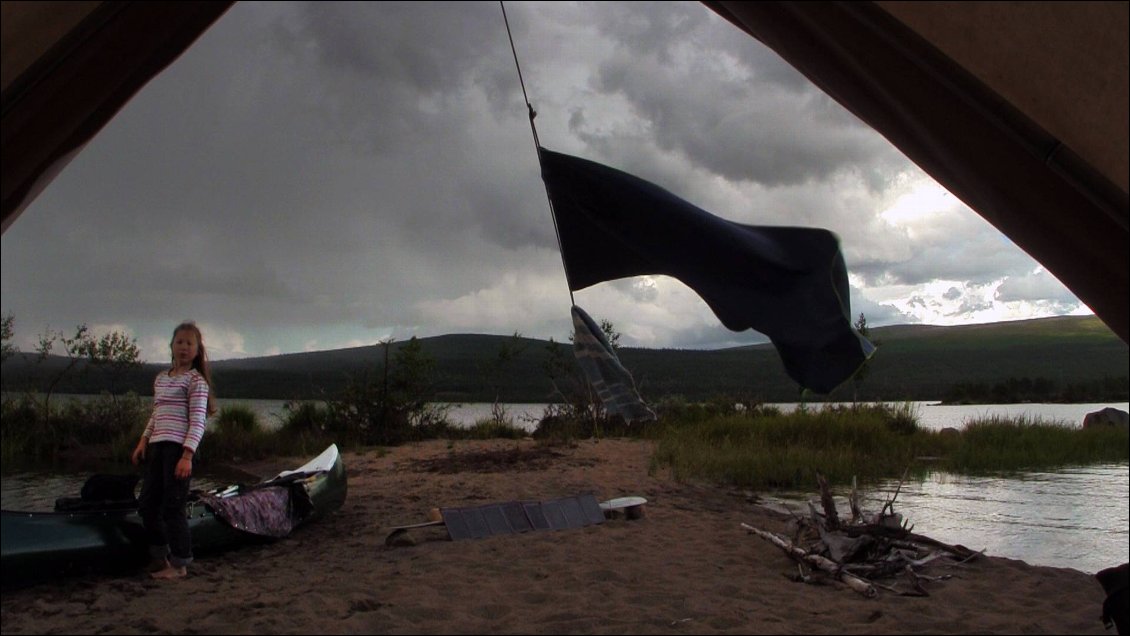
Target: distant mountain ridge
[[919, 362]]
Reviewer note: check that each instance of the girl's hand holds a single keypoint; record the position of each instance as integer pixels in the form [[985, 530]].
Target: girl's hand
[[184, 468], [139, 451]]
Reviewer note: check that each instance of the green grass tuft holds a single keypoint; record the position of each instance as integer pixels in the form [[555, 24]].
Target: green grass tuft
[[872, 443]]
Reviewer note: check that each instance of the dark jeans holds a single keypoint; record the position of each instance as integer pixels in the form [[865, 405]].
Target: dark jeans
[[162, 504]]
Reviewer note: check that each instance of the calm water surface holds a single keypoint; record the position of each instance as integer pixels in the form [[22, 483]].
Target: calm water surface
[[1072, 518]]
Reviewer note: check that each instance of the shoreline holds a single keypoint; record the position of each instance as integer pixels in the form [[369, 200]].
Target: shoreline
[[685, 567]]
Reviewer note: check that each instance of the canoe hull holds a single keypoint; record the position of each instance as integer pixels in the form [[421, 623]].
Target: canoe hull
[[37, 546]]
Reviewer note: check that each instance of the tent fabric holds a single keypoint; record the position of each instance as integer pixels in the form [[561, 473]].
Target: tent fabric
[[789, 283], [69, 67], [1064, 67], [603, 371], [1061, 208]]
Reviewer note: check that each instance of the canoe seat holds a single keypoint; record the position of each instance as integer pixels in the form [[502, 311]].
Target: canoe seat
[[102, 492]]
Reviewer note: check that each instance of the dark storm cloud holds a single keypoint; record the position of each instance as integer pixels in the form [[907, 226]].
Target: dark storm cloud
[[317, 174], [734, 109], [957, 246], [969, 307], [1038, 286]]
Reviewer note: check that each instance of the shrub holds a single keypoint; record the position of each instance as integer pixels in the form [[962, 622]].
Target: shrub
[[495, 429], [29, 437], [237, 419], [304, 417], [236, 434]]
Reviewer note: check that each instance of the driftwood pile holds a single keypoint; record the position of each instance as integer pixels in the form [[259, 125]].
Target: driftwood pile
[[861, 552]]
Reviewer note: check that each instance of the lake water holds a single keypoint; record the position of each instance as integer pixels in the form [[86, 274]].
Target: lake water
[[930, 414], [1074, 517]]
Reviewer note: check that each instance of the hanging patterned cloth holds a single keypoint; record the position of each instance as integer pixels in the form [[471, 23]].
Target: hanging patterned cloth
[[603, 371]]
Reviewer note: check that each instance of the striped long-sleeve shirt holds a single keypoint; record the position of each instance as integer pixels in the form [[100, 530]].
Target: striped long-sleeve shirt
[[180, 408]]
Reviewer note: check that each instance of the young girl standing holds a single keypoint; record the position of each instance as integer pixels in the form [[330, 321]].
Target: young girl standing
[[182, 401]]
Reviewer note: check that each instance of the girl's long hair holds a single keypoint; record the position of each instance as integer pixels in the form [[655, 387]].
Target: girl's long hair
[[200, 362]]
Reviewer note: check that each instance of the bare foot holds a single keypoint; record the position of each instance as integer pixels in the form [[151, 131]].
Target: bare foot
[[156, 565], [170, 572]]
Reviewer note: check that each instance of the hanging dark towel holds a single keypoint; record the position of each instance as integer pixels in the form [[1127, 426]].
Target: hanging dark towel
[[789, 283]]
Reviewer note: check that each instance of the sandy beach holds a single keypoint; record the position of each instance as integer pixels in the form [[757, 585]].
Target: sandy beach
[[686, 567]]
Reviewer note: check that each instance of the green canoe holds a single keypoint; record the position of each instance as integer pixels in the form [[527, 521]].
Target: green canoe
[[41, 545]]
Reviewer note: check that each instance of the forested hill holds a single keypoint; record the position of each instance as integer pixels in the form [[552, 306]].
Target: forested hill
[[1051, 359]]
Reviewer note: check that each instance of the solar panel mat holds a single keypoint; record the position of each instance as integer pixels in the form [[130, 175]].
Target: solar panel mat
[[514, 517]]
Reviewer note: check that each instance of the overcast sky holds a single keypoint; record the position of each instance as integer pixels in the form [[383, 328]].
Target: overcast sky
[[319, 176]]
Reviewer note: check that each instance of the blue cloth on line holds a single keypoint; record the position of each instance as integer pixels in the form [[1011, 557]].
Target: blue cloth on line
[[789, 283]]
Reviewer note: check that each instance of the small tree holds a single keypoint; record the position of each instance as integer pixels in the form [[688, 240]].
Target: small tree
[[865, 368], [610, 333], [117, 354], [8, 349], [492, 371], [384, 407], [413, 384], [30, 425], [75, 349]]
